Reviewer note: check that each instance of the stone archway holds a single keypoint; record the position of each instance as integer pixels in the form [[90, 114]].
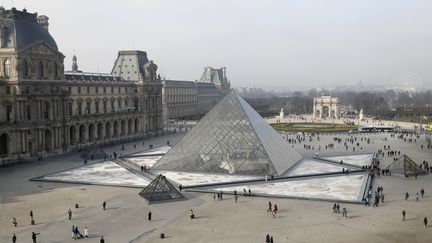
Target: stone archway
[[72, 135], [99, 130], [325, 111], [107, 130], [91, 131], [4, 144], [136, 129], [130, 126], [123, 128], [116, 129], [48, 140], [82, 134]]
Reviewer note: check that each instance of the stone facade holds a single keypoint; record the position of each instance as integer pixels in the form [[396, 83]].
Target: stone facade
[[326, 107], [179, 99], [183, 99], [44, 110]]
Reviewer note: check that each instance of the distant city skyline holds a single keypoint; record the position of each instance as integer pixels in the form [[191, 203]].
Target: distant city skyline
[[277, 45]]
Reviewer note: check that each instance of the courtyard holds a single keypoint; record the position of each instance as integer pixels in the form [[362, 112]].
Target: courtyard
[[125, 219]]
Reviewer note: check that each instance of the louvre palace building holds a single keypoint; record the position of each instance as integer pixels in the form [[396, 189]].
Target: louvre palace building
[[46, 110]]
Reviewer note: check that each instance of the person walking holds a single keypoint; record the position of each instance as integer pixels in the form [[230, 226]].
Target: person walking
[[236, 198], [104, 205], [417, 196], [425, 222], [406, 196], [403, 215], [73, 232], [14, 238], [142, 168], [34, 237], [149, 215], [102, 240], [422, 191], [31, 215], [269, 209], [14, 222], [86, 232], [271, 239], [69, 212], [267, 240]]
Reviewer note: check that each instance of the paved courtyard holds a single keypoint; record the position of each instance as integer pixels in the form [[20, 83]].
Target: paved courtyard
[[125, 219]]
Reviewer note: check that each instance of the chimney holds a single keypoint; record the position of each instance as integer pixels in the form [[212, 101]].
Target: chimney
[[43, 21]]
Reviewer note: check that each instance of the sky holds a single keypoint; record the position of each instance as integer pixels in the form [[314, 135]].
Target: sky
[[274, 45]]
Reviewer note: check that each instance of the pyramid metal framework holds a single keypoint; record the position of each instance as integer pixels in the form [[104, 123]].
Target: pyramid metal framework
[[160, 190], [405, 166], [233, 139]]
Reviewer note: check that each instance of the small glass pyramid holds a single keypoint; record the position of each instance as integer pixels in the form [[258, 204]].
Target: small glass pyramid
[[233, 139], [159, 190], [405, 166]]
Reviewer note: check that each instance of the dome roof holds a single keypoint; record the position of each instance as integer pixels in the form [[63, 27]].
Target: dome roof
[[20, 29]]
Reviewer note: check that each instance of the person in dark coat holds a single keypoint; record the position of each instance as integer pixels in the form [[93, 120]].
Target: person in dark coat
[[34, 238], [14, 238], [149, 216], [425, 221], [104, 205], [267, 238], [102, 240], [271, 239]]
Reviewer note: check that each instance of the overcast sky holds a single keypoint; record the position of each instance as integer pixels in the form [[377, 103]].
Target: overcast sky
[[269, 44]]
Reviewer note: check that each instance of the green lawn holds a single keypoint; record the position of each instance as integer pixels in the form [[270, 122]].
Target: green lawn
[[312, 127]]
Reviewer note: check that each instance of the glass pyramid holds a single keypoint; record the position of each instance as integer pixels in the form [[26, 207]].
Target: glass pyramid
[[233, 139], [405, 166], [160, 189]]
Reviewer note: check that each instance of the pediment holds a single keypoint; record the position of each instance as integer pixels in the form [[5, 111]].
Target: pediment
[[41, 48]]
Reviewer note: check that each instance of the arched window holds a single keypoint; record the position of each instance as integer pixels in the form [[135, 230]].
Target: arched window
[[6, 67], [41, 70], [25, 69]]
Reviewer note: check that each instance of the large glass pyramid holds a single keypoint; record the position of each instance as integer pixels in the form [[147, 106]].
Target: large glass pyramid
[[234, 139], [405, 166]]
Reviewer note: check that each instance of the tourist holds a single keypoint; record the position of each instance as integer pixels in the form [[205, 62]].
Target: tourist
[[265, 178], [14, 222], [271, 239], [86, 232], [31, 215], [191, 214], [34, 237], [101, 240], [269, 209], [267, 238], [73, 232], [149, 216], [104, 205], [417, 196], [337, 208], [250, 192], [244, 192], [78, 233], [236, 198], [422, 191], [69, 212], [345, 213], [180, 187], [406, 195], [142, 168], [14, 238], [403, 215], [425, 222], [382, 197]]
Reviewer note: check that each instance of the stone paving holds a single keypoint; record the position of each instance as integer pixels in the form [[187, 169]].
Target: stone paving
[[125, 219]]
